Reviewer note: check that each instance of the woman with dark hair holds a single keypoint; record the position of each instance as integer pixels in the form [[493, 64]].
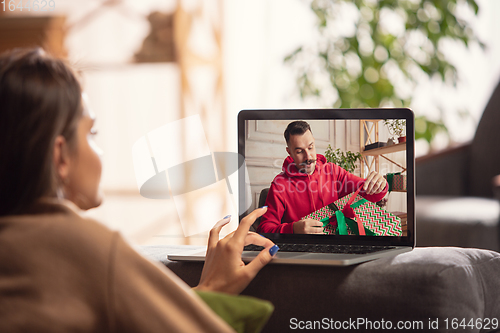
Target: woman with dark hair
[[61, 272]]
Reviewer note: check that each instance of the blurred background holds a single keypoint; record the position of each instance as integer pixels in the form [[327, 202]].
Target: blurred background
[[148, 63]]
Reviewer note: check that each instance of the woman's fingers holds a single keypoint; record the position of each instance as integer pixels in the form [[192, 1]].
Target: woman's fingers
[[246, 222], [224, 270], [262, 259], [213, 236], [256, 239]]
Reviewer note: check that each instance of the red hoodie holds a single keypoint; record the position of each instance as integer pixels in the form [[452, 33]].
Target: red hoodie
[[293, 194]]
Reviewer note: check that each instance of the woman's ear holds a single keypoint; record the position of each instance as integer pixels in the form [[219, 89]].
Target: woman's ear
[[61, 158], [288, 151]]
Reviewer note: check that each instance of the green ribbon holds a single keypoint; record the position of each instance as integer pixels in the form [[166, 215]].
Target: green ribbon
[[358, 203], [341, 225], [341, 219], [353, 225], [325, 221]]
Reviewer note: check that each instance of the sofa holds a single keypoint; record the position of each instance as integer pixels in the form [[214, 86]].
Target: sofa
[[427, 289], [458, 191]]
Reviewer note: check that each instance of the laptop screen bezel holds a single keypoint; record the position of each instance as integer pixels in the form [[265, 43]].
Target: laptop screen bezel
[[334, 114]]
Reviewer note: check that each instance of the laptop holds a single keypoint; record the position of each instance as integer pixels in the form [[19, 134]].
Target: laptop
[[383, 140]]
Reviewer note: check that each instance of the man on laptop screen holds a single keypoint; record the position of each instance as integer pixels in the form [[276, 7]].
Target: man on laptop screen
[[308, 183], [307, 197]]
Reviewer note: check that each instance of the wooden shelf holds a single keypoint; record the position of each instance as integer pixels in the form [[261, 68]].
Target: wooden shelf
[[385, 150], [369, 134]]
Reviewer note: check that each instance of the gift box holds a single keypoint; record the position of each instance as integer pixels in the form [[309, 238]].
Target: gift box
[[354, 215], [397, 182], [327, 216]]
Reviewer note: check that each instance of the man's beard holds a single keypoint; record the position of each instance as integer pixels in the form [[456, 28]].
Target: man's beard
[[305, 164]]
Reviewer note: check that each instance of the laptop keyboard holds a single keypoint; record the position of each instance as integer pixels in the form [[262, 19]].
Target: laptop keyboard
[[323, 248]]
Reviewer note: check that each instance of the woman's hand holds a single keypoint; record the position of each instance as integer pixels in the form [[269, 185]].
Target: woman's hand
[[224, 271]]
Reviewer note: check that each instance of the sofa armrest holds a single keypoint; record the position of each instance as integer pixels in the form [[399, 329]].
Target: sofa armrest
[[443, 173]]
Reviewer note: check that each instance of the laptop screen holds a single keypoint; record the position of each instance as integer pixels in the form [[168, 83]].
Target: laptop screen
[[329, 175]]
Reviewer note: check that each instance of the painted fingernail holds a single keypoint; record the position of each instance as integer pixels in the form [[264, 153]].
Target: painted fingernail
[[227, 216], [273, 250], [262, 235], [222, 222], [263, 207]]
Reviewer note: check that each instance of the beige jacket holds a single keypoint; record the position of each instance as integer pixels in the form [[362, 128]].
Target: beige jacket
[[60, 272]]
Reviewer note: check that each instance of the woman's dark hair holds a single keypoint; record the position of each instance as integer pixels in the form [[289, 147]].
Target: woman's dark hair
[[40, 99], [297, 127]]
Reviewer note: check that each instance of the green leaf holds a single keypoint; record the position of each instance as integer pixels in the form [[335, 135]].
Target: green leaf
[[346, 160], [336, 52]]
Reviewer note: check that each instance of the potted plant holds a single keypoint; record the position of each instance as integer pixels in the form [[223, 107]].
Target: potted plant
[[359, 63], [397, 128], [346, 160]]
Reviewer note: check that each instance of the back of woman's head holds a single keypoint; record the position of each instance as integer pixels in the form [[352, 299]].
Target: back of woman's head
[[40, 99]]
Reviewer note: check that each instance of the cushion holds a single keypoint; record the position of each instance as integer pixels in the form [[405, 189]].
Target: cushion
[[242, 313], [458, 221]]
